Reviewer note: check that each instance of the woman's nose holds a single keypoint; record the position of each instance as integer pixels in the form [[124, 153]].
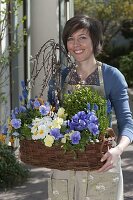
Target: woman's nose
[[76, 42]]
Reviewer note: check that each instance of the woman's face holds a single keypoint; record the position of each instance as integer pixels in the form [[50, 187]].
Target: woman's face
[[80, 46]]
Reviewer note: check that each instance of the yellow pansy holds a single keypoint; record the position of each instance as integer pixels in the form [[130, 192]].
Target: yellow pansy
[[57, 122], [49, 140]]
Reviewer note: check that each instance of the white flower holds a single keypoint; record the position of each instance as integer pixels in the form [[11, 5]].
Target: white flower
[[49, 140], [57, 122]]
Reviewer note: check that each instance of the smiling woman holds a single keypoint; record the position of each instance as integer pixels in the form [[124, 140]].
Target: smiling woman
[[82, 38]]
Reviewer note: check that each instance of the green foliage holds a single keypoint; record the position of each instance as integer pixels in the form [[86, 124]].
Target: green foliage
[[78, 100], [126, 67], [12, 172], [110, 13], [8, 11], [116, 17]]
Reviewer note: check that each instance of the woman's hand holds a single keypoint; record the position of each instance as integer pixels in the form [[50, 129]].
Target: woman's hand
[[111, 158]]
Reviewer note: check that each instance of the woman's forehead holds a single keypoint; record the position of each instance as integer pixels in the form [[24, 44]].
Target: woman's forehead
[[82, 31]]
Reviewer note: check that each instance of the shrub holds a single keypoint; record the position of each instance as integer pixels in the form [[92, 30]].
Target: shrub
[[126, 67], [11, 171]]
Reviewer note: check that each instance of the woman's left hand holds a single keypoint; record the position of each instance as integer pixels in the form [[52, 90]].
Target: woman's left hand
[[111, 157]]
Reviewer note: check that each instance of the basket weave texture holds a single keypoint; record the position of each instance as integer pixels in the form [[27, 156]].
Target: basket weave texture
[[37, 154]]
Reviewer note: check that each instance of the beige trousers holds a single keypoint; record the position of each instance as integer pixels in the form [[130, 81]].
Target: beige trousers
[[84, 185]]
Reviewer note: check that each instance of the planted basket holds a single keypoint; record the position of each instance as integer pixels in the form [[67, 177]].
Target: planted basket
[[37, 154]]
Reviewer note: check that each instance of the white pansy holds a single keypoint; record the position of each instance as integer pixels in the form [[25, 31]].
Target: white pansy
[[57, 122]]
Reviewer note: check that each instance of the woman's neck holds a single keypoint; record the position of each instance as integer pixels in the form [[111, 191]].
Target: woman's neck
[[84, 69]]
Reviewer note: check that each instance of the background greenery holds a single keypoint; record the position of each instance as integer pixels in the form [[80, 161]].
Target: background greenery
[[116, 17], [12, 172]]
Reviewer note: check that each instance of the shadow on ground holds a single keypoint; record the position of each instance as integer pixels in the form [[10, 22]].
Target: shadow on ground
[[34, 189]]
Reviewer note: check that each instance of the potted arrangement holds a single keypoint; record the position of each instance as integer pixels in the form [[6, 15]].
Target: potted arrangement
[[72, 137]]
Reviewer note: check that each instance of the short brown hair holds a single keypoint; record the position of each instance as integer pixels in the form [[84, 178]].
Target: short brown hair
[[92, 25]]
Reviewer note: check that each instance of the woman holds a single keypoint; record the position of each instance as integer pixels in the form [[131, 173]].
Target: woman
[[82, 38]]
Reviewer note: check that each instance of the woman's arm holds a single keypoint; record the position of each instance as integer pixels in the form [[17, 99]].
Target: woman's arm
[[116, 90]]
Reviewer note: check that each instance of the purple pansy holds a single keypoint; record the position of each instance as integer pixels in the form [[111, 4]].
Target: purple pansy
[[44, 109], [36, 103], [93, 119], [16, 123], [56, 133], [93, 128], [22, 109], [78, 121], [75, 137]]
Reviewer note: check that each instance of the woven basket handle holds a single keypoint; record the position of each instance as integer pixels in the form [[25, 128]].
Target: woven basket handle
[[111, 134]]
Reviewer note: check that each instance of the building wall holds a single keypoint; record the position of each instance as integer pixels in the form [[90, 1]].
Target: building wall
[[46, 21]]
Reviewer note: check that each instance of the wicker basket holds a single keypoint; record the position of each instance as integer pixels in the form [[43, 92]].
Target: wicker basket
[[37, 154]]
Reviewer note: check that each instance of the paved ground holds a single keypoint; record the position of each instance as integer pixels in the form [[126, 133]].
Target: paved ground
[[36, 186]]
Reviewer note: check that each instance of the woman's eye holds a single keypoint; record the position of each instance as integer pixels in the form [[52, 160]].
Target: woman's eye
[[82, 38], [70, 39]]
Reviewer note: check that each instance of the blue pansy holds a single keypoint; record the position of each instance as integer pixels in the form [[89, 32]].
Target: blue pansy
[[93, 128], [44, 109], [36, 103], [16, 123], [93, 119], [56, 133], [22, 109], [75, 137]]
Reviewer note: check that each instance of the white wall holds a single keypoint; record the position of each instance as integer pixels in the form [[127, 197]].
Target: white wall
[[44, 22], [44, 25]]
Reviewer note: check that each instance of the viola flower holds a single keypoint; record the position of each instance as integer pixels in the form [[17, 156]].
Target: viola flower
[[93, 119], [93, 128], [16, 123], [56, 133], [22, 109], [36, 103], [61, 113], [57, 122], [44, 109], [78, 121], [75, 137], [49, 140]]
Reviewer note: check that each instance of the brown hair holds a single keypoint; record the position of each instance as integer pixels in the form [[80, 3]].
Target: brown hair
[[93, 26]]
